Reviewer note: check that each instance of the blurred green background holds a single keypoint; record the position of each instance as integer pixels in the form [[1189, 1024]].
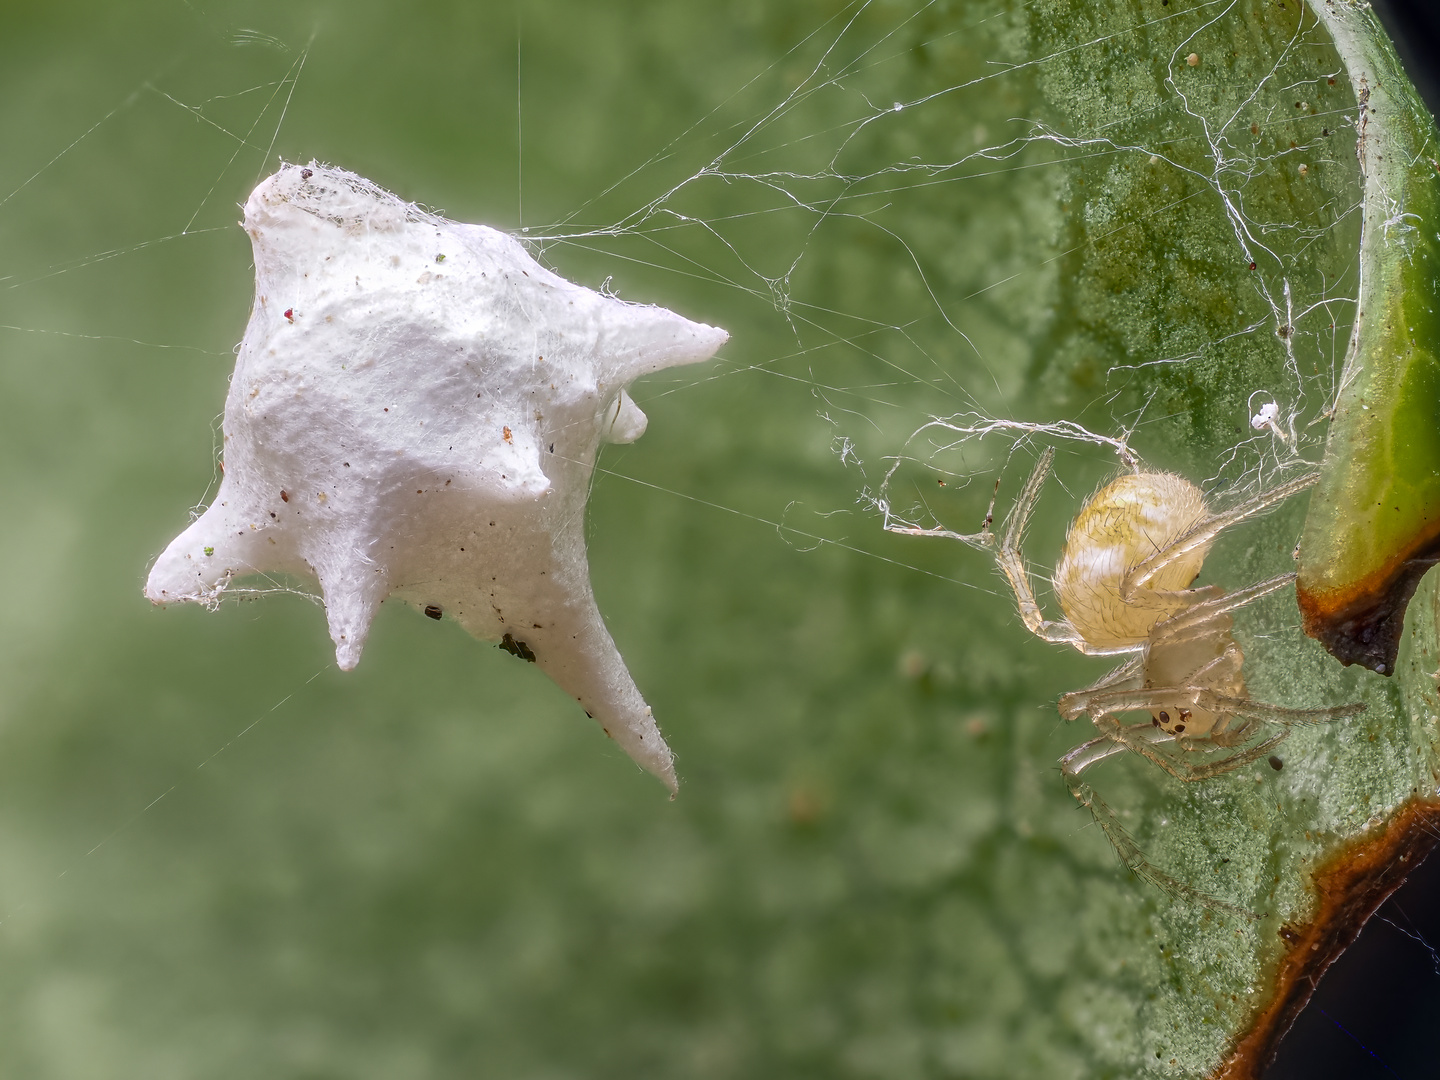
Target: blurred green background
[[220, 857]]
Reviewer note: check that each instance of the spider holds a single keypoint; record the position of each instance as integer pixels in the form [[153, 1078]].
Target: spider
[[1123, 582]]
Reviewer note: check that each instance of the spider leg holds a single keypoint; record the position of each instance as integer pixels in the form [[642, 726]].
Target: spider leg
[[1275, 714], [1211, 527], [1230, 658], [1153, 698], [1102, 706], [1097, 750], [1012, 561], [1200, 619], [1076, 703], [1012, 565], [1221, 738], [1184, 768], [1144, 739], [982, 540]]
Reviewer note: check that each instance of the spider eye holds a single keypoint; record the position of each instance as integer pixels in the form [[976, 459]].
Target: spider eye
[[1164, 717], [1179, 729]]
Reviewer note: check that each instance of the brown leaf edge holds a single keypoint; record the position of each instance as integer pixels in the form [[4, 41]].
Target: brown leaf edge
[[1363, 623], [1351, 886]]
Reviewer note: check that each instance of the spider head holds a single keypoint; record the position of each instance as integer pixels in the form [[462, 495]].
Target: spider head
[[1181, 719]]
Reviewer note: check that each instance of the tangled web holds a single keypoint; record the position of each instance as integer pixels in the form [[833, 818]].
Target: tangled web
[[1171, 274], [962, 225]]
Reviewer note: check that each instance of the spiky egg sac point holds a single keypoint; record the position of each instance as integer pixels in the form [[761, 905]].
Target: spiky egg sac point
[[415, 411], [1123, 581]]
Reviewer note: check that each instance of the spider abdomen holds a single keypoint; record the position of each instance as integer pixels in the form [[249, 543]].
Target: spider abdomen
[[1121, 525]]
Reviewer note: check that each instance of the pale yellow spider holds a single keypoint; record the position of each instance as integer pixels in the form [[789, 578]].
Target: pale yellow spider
[[1123, 582]]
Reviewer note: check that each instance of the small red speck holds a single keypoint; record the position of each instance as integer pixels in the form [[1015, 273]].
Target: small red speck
[[508, 436], [1252, 266], [284, 497], [305, 174], [290, 314]]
